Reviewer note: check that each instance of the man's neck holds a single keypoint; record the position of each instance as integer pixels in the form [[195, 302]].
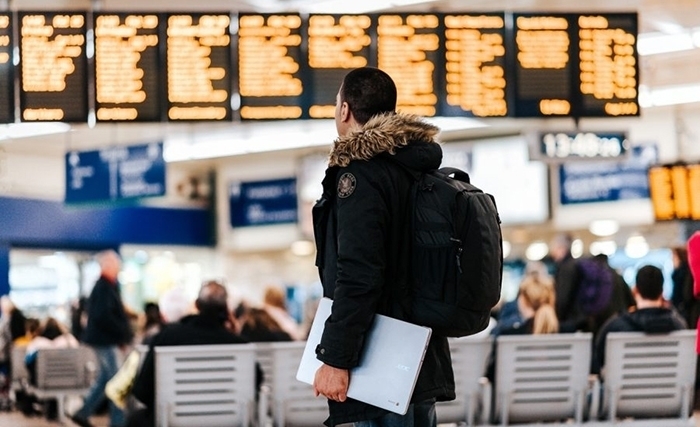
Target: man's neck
[[645, 303]]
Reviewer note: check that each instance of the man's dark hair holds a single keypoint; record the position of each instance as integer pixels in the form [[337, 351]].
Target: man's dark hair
[[650, 282], [212, 299], [368, 91]]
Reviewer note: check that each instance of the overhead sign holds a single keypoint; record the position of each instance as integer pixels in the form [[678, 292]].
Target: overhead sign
[[605, 181], [585, 145], [115, 173], [263, 202], [7, 85]]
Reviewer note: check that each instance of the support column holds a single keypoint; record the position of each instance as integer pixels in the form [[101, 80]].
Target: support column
[[4, 268]]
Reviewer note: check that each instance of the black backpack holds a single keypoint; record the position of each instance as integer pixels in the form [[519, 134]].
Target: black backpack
[[457, 259]]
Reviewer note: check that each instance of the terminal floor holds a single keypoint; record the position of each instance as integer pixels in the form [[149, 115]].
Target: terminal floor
[[16, 419]]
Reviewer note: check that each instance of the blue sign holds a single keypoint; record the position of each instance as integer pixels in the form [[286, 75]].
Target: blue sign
[[263, 202], [607, 181], [115, 173]]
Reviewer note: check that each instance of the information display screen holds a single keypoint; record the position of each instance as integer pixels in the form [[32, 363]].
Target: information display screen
[[608, 69], [190, 66], [475, 64], [198, 52], [408, 49], [544, 58], [336, 44], [675, 191], [53, 69], [127, 67], [7, 85], [269, 66]]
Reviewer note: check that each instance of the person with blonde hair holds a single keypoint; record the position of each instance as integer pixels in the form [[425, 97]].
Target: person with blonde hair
[[535, 314], [275, 304]]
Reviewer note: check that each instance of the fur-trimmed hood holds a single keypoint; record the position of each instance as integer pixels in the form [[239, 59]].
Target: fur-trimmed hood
[[385, 133]]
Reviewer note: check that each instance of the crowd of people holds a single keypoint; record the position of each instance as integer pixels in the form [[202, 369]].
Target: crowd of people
[[563, 296], [103, 323]]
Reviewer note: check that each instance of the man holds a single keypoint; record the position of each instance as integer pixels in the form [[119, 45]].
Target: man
[[208, 326], [361, 232], [565, 280], [652, 316], [107, 332]]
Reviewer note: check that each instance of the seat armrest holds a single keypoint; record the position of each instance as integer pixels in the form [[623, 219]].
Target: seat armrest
[[594, 390], [486, 389]]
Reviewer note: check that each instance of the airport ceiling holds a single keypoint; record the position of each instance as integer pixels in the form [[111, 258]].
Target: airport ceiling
[[655, 70]]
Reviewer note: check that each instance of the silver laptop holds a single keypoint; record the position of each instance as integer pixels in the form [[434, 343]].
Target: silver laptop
[[389, 365]]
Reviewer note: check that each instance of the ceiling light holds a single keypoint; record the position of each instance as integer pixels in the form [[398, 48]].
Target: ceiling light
[[636, 247], [607, 247], [26, 130], [536, 251], [577, 248], [604, 227], [657, 43], [672, 95]]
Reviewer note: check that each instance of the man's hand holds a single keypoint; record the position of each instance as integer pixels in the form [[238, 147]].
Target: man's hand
[[332, 383]]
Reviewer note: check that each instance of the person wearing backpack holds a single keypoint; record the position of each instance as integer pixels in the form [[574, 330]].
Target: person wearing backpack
[[363, 247]]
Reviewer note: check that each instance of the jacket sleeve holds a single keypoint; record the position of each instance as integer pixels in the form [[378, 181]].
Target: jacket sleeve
[[362, 221]]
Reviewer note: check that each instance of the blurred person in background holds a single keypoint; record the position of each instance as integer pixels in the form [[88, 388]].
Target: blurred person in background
[[259, 326], [565, 279], [652, 316], [210, 325], [509, 313], [108, 332], [682, 297], [535, 314], [275, 303], [78, 317], [152, 321], [693, 247], [12, 327]]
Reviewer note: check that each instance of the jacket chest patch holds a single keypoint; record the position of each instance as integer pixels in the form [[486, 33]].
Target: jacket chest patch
[[346, 185]]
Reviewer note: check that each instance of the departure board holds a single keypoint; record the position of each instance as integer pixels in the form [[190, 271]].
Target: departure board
[[543, 65], [53, 67], [336, 45], [127, 67], [198, 52], [475, 64], [269, 66], [608, 66], [408, 49], [7, 85], [675, 191]]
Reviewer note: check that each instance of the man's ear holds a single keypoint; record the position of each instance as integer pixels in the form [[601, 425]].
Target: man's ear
[[345, 113]]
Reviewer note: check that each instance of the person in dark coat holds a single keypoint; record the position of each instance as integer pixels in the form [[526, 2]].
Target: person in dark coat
[[361, 234], [651, 315], [565, 282], [211, 325], [108, 332]]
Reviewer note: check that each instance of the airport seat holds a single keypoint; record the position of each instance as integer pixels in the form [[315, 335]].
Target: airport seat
[[293, 402], [469, 357], [541, 378], [205, 385], [61, 373], [649, 377], [19, 374]]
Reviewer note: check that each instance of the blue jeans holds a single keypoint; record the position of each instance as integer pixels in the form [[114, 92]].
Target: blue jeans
[[421, 414], [107, 359]]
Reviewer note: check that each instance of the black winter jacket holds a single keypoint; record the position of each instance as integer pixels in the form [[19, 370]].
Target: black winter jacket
[[362, 240], [650, 320], [107, 323]]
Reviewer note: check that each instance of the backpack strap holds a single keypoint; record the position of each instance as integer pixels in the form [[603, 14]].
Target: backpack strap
[[459, 174]]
